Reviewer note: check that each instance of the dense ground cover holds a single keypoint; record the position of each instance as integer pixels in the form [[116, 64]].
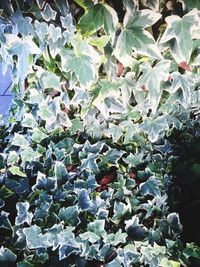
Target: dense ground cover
[[100, 154]]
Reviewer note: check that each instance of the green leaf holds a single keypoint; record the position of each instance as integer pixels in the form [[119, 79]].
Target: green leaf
[[81, 65], [12, 158], [134, 160], [48, 13], [35, 238], [50, 80], [77, 126], [63, 119], [120, 211], [113, 131], [152, 4], [69, 215], [60, 171], [184, 83], [84, 3], [100, 43], [152, 81], [19, 140], [192, 250], [116, 239], [96, 17], [89, 164], [112, 156], [180, 29], [29, 121], [135, 230], [154, 128], [45, 113], [107, 89], [134, 36], [192, 4], [15, 170], [38, 135], [97, 227], [23, 216], [95, 148], [169, 263], [150, 187], [28, 154], [6, 255]]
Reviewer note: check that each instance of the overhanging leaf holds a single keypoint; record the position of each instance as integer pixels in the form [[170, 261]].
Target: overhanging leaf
[[150, 187], [6, 255], [15, 170], [97, 16], [23, 215], [152, 81], [135, 37], [180, 29], [19, 140], [81, 65], [69, 215]]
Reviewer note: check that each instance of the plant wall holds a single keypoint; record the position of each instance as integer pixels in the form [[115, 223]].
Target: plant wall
[[85, 163]]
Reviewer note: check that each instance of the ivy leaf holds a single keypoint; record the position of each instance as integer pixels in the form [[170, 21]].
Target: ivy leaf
[[134, 160], [135, 230], [28, 154], [106, 89], [67, 249], [12, 158], [6, 255], [154, 128], [93, 148], [116, 239], [69, 215], [15, 170], [120, 210], [38, 135], [23, 215], [96, 17], [77, 126], [89, 164], [29, 121], [152, 4], [60, 171], [48, 13], [150, 187], [180, 29], [23, 23], [112, 156], [19, 140], [98, 228], [83, 198], [113, 131], [44, 183], [165, 262], [45, 113], [81, 65], [152, 81], [183, 82], [63, 119], [114, 263], [135, 37], [50, 80], [35, 238]]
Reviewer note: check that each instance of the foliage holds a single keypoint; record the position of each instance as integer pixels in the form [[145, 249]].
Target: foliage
[[84, 168]]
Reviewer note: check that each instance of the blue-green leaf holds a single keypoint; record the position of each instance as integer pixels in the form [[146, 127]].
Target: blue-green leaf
[[6, 255], [150, 187], [69, 215], [23, 215], [48, 13]]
